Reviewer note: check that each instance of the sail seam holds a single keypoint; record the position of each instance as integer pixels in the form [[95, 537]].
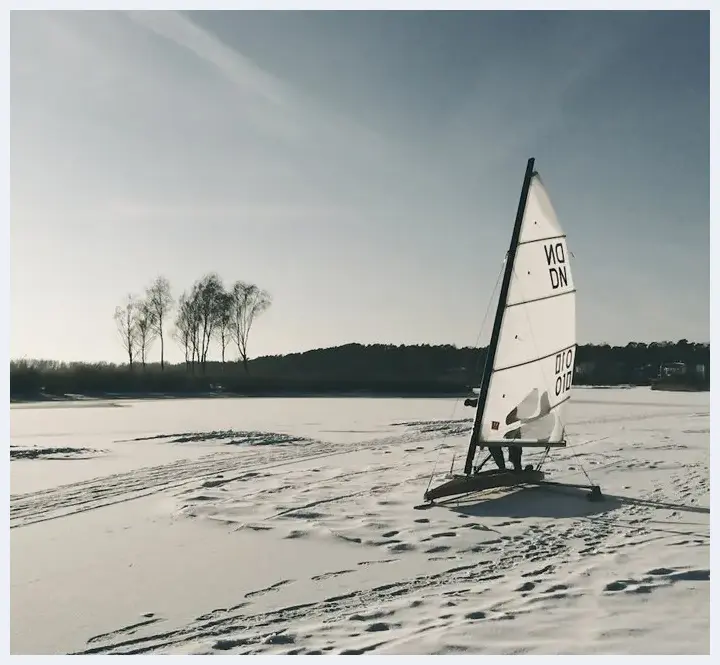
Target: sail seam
[[530, 242], [534, 360], [527, 302]]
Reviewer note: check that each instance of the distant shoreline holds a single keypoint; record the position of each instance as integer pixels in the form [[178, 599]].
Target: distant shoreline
[[60, 399], [358, 394], [351, 370]]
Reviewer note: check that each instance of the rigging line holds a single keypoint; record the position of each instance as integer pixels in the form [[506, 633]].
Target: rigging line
[[432, 475], [573, 454], [477, 363], [487, 310], [531, 455], [544, 457]]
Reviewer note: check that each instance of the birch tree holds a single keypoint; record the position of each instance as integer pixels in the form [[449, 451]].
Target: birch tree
[[146, 328], [249, 302], [159, 299], [184, 328], [126, 322], [224, 321]]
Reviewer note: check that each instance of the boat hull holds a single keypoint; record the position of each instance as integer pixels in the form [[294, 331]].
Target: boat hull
[[483, 481]]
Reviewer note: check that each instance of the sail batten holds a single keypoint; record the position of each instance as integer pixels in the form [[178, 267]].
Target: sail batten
[[529, 242], [529, 362], [527, 302]]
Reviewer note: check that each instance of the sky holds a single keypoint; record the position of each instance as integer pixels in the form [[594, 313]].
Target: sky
[[363, 167]]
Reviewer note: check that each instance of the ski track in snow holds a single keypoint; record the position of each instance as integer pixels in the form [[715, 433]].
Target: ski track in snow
[[96, 493], [536, 553]]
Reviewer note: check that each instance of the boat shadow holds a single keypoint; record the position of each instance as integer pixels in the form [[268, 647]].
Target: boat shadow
[[554, 502], [535, 502]]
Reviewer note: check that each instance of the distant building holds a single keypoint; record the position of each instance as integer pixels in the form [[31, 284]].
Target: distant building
[[585, 367], [678, 376], [673, 369]]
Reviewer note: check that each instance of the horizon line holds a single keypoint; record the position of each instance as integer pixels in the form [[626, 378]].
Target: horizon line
[[339, 346]]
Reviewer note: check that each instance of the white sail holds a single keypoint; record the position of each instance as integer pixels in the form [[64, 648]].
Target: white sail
[[535, 355]]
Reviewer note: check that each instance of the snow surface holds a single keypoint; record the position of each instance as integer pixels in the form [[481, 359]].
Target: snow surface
[[291, 526]]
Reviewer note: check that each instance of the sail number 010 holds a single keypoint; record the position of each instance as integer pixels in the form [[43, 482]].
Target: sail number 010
[[563, 371]]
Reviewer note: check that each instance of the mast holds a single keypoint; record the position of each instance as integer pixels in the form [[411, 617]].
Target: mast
[[497, 326]]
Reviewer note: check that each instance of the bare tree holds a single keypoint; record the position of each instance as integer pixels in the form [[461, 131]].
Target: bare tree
[[197, 319], [207, 293], [225, 302], [146, 330], [210, 312], [193, 305], [186, 329], [159, 299], [248, 303], [126, 322], [195, 342]]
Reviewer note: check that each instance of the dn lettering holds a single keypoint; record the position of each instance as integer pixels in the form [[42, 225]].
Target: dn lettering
[[557, 268]]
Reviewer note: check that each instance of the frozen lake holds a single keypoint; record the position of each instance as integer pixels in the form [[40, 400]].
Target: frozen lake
[[206, 523]]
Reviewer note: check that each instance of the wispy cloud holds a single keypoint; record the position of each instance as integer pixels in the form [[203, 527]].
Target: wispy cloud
[[261, 98], [271, 99], [248, 77], [249, 132]]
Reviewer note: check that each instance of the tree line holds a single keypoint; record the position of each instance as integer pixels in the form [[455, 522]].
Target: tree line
[[207, 312], [636, 363], [351, 368]]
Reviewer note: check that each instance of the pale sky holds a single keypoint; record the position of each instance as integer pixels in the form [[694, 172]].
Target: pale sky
[[363, 167]]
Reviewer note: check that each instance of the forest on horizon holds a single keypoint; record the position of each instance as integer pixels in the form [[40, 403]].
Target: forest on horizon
[[375, 369]]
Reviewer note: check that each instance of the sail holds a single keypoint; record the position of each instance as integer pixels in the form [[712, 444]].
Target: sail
[[534, 359]]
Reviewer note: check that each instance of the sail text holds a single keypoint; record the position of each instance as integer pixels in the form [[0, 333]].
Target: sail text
[[563, 371], [557, 268]]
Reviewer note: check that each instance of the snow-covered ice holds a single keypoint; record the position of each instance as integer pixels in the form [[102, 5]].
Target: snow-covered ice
[[291, 526]]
